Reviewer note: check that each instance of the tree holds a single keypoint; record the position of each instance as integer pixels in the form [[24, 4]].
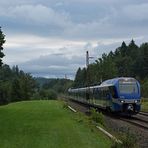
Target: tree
[[27, 86], [47, 94], [124, 50], [2, 41], [15, 85], [133, 49], [16, 90], [144, 88], [78, 78], [141, 64]]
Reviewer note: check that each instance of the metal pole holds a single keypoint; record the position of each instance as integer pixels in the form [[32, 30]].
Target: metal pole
[[87, 68], [87, 75], [87, 59]]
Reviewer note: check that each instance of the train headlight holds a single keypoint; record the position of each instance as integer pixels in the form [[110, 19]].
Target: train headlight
[[121, 101]]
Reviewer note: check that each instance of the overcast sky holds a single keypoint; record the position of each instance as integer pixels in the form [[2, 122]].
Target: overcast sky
[[49, 38]]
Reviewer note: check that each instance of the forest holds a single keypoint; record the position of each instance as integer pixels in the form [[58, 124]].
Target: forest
[[126, 61]]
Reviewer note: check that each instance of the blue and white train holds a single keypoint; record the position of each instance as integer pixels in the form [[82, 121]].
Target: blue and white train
[[120, 95]]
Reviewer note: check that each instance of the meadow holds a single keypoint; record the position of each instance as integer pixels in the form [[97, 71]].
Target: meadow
[[46, 124]]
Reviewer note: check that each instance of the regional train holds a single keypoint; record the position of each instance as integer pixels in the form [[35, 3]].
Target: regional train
[[118, 95]]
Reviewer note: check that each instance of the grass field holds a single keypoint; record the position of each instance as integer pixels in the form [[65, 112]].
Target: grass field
[[46, 124], [144, 105]]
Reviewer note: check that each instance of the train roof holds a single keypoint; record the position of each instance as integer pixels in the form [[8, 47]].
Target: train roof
[[91, 87], [107, 83], [115, 80]]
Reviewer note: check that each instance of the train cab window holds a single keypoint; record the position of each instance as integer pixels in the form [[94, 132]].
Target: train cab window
[[128, 88]]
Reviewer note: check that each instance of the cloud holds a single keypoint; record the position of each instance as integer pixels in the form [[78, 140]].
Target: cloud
[[21, 48], [37, 14], [77, 21], [137, 12], [69, 59], [47, 65], [39, 30]]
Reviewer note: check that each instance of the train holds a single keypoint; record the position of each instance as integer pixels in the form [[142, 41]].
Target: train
[[117, 95]]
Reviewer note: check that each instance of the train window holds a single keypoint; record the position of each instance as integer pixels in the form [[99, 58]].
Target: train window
[[128, 88], [87, 96], [112, 90], [95, 93]]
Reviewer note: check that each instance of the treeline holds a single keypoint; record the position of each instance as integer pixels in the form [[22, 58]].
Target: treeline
[[51, 88], [127, 60], [59, 85], [15, 85]]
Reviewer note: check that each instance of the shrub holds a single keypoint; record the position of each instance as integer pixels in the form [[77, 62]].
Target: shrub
[[36, 96], [97, 116], [128, 141], [51, 94], [117, 145], [65, 105], [48, 94], [144, 88]]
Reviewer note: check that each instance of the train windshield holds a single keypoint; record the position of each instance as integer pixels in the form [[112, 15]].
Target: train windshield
[[128, 87]]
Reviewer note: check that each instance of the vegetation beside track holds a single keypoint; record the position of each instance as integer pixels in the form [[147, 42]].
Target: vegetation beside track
[[144, 105], [46, 124]]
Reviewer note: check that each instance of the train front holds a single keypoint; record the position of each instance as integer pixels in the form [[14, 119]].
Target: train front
[[129, 95]]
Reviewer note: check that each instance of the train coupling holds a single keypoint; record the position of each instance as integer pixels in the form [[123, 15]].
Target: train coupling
[[130, 107]]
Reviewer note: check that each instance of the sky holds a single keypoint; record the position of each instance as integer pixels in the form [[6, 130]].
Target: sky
[[49, 38]]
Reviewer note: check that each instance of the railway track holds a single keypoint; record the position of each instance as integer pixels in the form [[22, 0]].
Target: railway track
[[139, 120], [138, 124], [143, 113], [145, 120]]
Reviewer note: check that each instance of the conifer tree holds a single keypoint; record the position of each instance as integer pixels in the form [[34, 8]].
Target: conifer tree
[[2, 41]]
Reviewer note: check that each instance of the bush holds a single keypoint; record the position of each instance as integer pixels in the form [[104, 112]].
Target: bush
[[128, 141], [144, 88], [36, 96], [65, 105], [48, 94], [97, 116], [117, 145]]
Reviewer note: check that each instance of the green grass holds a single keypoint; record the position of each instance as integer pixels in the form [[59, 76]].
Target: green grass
[[46, 124], [144, 105]]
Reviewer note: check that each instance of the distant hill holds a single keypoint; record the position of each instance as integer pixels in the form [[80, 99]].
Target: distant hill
[[41, 81], [59, 85]]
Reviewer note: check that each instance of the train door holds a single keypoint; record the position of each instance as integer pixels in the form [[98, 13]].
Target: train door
[[113, 97]]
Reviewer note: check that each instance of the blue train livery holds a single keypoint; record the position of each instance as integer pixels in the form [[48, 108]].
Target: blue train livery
[[120, 95]]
